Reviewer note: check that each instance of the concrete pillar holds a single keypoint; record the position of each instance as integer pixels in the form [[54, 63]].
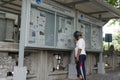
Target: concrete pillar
[[101, 67], [113, 62], [72, 68], [20, 71], [101, 57], [72, 58]]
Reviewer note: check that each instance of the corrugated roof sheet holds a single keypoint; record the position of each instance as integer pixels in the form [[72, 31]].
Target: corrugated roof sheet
[[94, 8]]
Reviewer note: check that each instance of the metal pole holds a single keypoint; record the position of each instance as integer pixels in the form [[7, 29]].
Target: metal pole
[[22, 34], [55, 30], [101, 57], [108, 45], [18, 26]]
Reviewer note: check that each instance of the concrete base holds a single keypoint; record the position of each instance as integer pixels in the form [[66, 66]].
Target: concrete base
[[101, 68], [72, 71], [20, 73]]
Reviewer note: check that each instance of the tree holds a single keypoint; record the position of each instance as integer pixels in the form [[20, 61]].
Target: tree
[[105, 47], [116, 38], [116, 4], [116, 41]]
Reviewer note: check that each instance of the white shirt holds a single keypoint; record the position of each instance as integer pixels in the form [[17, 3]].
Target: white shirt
[[80, 44]]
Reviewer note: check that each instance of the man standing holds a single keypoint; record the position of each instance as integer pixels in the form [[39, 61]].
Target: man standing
[[80, 55]]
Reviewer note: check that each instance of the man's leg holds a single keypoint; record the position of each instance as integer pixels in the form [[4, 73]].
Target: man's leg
[[79, 75], [78, 70], [84, 71], [82, 66]]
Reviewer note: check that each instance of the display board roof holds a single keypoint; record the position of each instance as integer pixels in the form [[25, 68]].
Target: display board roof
[[94, 8], [11, 6]]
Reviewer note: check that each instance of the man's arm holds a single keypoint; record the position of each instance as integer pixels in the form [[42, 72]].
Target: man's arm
[[78, 54]]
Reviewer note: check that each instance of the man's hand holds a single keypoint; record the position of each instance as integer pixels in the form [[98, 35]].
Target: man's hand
[[75, 41], [76, 60], [78, 54]]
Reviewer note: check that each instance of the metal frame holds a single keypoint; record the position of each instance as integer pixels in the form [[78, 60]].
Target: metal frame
[[98, 12], [77, 2], [55, 41], [90, 19], [55, 7]]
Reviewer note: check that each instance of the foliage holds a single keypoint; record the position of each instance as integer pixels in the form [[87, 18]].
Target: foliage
[[105, 47], [116, 4], [114, 21], [116, 41], [117, 37]]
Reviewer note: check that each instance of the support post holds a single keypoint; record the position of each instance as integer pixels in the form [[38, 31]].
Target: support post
[[22, 34], [72, 66], [101, 67], [113, 62], [20, 72], [108, 45]]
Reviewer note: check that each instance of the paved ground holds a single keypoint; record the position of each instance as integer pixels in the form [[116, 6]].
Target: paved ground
[[108, 76]]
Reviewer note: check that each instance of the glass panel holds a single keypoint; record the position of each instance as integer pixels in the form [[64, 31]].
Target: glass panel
[[96, 37], [92, 35], [49, 29], [65, 28], [86, 32], [41, 31], [81, 28], [88, 36], [2, 29]]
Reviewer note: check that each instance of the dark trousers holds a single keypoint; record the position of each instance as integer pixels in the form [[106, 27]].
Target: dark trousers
[[80, 66]]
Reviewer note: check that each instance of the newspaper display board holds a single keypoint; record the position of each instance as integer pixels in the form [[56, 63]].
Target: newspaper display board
[[92, 32], [50, 27]]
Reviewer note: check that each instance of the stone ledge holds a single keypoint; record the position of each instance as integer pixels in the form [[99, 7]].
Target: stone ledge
[[58, 72], [9, 46]]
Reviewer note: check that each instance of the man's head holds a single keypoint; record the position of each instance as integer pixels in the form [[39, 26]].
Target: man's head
[[77, 35]]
